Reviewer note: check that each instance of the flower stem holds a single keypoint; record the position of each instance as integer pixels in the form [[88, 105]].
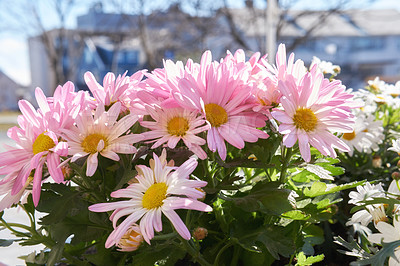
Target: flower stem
[[196, 255], [285, 163], [216, 262]]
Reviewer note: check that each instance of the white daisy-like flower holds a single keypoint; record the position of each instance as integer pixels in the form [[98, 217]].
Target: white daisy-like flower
[[159, 190], [376, 85], [374, 213], [366, 192], [101, 134], [388, 233], [366, 136], [395, 146], [174, 124], [392, 90], [325, 67]]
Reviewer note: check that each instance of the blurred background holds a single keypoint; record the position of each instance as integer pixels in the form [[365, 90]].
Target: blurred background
[[45, 43]]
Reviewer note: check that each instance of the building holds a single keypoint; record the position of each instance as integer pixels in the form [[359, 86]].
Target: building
[[10, 93], [365, 43]]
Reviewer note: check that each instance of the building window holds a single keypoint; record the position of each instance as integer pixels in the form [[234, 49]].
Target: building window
[[130, 57], [368, 43]]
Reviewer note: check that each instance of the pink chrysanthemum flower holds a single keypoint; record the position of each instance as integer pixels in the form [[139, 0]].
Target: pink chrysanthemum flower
[[101, 134], [175, 124], [223, 93], [161, 83], [159, 190], [114, 89], [36, 146], [267, 77], [61, 109], [312, 110]]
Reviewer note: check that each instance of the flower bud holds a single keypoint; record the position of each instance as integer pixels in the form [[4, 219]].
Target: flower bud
[[200, 233], [396, 175], [376, 161]]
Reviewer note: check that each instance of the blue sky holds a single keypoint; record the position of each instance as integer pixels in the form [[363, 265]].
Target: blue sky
[[14, 57]]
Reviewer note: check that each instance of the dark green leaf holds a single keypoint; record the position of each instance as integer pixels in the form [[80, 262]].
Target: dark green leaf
[[6, 242]]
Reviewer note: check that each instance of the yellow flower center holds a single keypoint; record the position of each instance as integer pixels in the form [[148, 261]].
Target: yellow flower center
[[154, 196], [349, 136], [42, 143], [90, 143], [215, 114], [305, 119], [178, 126]]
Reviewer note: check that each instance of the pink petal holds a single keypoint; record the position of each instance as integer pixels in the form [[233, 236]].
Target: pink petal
[[178, 224]]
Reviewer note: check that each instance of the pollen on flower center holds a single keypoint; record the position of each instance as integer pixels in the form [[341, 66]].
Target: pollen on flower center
[[90, 143], [349, 136], [154, 196], [215, 114], [305, 119], [42, 143], [178, 126]]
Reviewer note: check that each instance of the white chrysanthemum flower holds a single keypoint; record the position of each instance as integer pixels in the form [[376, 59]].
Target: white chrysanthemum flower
[[367, 135], [377, 85], [372, 212], [325, 67], [392, 90], [159, 190], [395, 146], [101, 134], [366, 192], [388, 233]]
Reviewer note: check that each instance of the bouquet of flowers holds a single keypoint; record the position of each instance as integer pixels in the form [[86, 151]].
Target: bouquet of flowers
[[211, 163]]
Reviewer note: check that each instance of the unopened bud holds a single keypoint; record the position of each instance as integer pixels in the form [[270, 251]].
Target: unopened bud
[[67, 172], [200, 233], [396, 175], [398, 163], [376, 161], [204, 194]]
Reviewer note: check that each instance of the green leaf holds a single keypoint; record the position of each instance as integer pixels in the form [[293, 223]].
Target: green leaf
[[380, 258], [267, 197], [295, 215], [272, 237], [320, 188], [103, 256], [55, 253], [159, 255], [317, 188], [302, 260], [6, 242]]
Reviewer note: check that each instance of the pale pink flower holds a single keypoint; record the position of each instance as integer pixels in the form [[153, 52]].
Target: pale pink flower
[[131, 240], [101, 134], [62, 108], [312, 110], [175, 124], [223, 93], [161, 83], [268, 75], [114, 89], [23, 164], [159, 190]]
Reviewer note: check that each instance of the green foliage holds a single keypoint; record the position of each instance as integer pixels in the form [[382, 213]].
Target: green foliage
[[302, 260]]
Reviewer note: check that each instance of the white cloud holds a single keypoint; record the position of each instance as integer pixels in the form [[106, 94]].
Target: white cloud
[[14, 59]]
